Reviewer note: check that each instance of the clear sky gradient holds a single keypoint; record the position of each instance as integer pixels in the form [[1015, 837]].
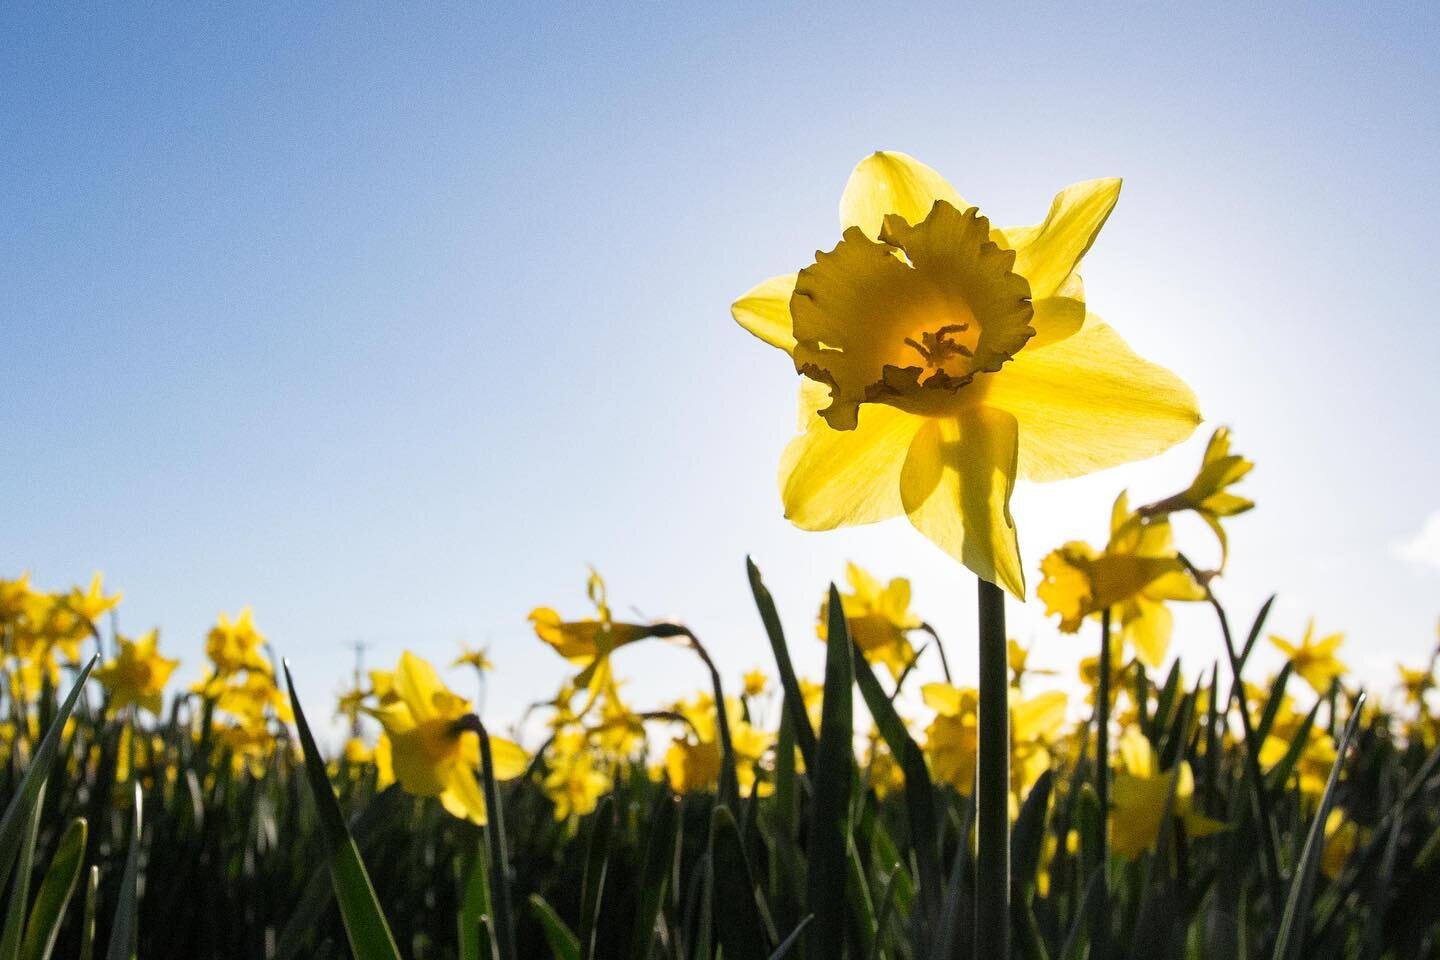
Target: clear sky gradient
[[388, 323]]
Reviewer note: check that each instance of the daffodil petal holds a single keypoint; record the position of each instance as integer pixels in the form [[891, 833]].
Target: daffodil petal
[[1089, 402], [417, 683], [1148, 625], [1048, 253], [955, 487], [887, 182], [463, 797], [764, 310], [831, 478]]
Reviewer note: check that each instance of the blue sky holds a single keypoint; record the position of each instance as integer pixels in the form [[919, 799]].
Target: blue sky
[[389, 323]]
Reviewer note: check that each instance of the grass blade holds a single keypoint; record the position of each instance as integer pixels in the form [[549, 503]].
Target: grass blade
[[789, 942], [804, 733], [365, 925], [125, 933], [59, 884], [13, 823], [830, 812], [1297, 904], [597, 864], [741, 927], [563, 943], [655, 875], [92, 904], [20, 883]]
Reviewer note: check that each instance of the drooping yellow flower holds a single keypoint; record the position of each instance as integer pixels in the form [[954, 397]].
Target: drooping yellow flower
[[1139, 794], [688, 760], [1209, 493], [1314, 660], [1415, 682], [944, 358], [878, 618], [138, 674], [589, 642], [1135, 577], [429, 750], [692, 766]]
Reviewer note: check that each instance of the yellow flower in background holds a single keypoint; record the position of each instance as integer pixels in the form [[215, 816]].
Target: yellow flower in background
[[878, 618], [1415, 683], [1017, 657], [429, 751], [138, 674], [1314, 660], [1341, 837], [1312, 767], [950, 739], [1035, 724], [478, 657], [1139, 794], [574, 784], [755, 683], [692, 766], [15, 598], [587, 643], [92, 602], [1209, 493], [1136, 576], [1119, 672], [974, 359], [236, 645]]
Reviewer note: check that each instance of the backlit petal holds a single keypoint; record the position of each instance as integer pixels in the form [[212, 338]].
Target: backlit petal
[[1048, 253], [765, 311], [887, 182], [956, 487], [1089, 402], [831, 478]]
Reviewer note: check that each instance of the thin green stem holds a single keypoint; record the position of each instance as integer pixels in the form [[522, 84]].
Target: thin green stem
[[992, 861], [1102, 786]]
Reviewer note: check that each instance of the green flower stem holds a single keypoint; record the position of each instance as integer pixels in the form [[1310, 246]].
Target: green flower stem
[[1101, 934], [992, 862]]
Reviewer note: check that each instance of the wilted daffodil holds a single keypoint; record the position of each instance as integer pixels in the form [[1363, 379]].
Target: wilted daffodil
[[943, 358], [137, 674], [587, 643], [878, 618], [1314, 660], [432, 748], [1140, 793], [1209, 493], [1135, 577]]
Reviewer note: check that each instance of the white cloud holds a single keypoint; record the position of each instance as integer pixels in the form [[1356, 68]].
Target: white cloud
[[1424, 547]]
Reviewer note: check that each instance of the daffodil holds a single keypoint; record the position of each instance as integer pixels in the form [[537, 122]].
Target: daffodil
[[755, 683], [574, 783], [1136, 575], [692, 766], [477, 657], [1139, 796], [1415, 682], [951, 738], [1314, 660], [429, 750], [1341, 836], [92, 602], [943, 358], [1017, 657], [688, 762], [236, 645], [878, 618], [1209, 493], [589, 642], [137, 674]]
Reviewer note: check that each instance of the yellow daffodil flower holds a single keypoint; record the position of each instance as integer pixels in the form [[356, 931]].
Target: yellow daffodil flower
[[92, 602], [479, 658], [1314, 660], [574, 784], [587, 643], [1139, 794], [1415, 683], [692, 766], [1135, 577], [430, 753], [950, 739], [138, 674], [1312, 768], [1341, 837], [1209, 493], [755, 683], [236, 645], [879, 619], [1017, 657], [944, 358]]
